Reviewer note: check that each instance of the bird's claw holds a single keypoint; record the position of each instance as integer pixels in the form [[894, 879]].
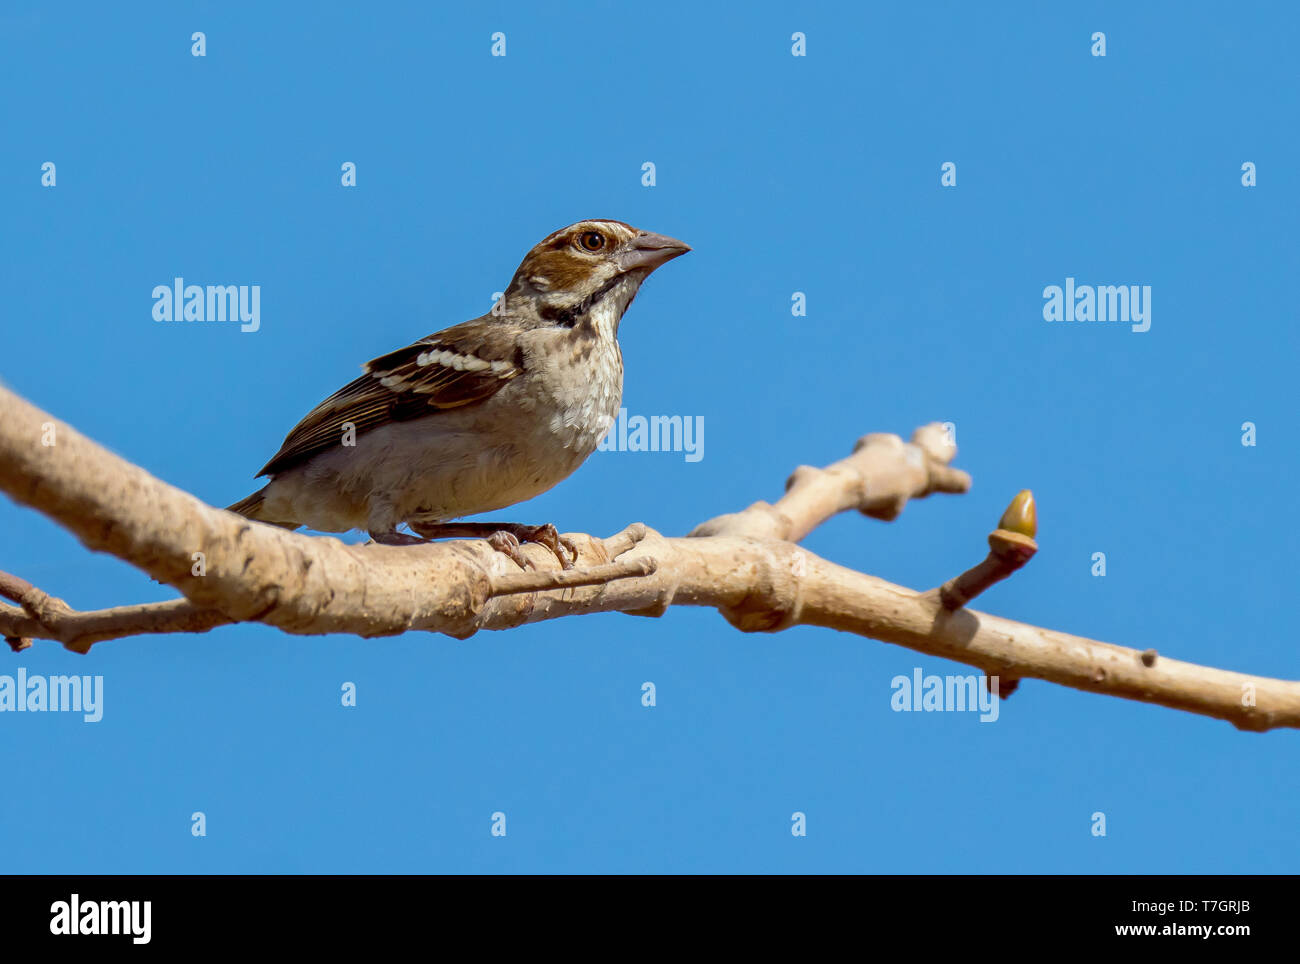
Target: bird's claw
[[546, 535], [505, 538], [508, 543]]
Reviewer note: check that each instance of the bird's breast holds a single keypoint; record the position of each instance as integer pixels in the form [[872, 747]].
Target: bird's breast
[[577, 394]]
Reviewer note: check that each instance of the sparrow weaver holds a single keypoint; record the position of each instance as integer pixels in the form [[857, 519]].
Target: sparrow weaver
[[478, 416]]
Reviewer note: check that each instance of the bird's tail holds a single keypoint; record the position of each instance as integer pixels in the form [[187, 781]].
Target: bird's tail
[[251, 508]]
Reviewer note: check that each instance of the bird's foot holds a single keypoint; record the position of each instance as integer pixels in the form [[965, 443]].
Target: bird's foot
[[547, 535], [505, 537], [394, 538], [506, 543]]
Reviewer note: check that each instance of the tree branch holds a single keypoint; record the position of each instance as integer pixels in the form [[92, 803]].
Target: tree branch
[[746, 565]]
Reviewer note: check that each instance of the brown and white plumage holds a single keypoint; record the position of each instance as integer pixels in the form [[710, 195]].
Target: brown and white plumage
[[481, 415]]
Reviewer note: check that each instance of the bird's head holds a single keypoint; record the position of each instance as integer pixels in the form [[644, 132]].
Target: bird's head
[[590, 270]]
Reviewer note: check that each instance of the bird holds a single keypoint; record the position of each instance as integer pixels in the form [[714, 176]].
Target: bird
[[476, 417]]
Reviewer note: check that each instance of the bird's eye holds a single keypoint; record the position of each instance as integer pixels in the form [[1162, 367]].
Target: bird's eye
[[591, 240]]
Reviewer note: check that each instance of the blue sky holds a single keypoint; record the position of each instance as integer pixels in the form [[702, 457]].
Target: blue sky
[[818, 174]]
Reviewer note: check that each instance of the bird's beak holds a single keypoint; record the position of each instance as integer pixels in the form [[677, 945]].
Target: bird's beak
[[649, 251]]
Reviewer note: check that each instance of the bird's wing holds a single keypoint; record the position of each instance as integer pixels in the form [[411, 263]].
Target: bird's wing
[[459, 366]]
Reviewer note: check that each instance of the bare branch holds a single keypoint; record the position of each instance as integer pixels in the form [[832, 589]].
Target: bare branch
[[878, 479], [745, 565], [542, 580], [78, 631]]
